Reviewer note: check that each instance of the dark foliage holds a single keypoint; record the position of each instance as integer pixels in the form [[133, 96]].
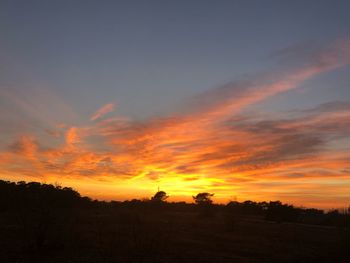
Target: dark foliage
[[46, 223], [203, 198], [160, 196]]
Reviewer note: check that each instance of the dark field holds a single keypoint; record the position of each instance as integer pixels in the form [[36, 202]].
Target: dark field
[[38, 227]]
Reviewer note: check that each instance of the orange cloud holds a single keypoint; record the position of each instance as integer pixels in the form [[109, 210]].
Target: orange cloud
[[71, 136], [25, 146]]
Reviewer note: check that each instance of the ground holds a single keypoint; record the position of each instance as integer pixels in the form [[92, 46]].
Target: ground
[[146, 234]]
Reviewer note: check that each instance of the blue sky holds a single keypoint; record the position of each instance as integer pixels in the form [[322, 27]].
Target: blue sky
[[147, 56]]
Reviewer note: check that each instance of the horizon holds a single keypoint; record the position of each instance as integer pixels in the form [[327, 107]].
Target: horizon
[[116, 99], [187, 200]]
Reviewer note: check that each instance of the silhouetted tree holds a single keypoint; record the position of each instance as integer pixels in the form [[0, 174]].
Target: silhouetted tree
[[203, 198], [160, 196], [205, 204]]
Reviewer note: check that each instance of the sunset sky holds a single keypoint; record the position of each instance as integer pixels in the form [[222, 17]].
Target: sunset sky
[[244, 99]]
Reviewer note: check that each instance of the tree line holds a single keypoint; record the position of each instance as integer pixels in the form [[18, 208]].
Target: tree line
[[47, 201]]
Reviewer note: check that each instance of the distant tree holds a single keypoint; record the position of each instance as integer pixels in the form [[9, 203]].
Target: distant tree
[[160, 196], [203, 198]]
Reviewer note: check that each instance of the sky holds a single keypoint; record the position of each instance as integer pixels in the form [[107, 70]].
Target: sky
[[249, 100]]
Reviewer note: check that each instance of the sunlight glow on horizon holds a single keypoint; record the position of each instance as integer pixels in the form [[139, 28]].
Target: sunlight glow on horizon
[[216, 148]]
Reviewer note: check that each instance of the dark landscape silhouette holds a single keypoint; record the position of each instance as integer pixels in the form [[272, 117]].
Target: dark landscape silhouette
[[50, 223]]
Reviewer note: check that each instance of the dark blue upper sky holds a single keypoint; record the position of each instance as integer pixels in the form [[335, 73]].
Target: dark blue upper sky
[[147, 56]]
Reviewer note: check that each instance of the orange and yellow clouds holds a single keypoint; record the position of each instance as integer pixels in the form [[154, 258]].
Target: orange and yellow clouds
[[301, 157]]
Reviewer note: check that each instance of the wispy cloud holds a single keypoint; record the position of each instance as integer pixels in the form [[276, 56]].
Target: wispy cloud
[[102, 111], [25, 146]]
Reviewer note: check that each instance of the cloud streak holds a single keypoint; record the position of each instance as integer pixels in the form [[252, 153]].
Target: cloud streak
[[102, 111]]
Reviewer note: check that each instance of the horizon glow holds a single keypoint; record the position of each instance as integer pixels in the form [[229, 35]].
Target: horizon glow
[[215, 146]]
